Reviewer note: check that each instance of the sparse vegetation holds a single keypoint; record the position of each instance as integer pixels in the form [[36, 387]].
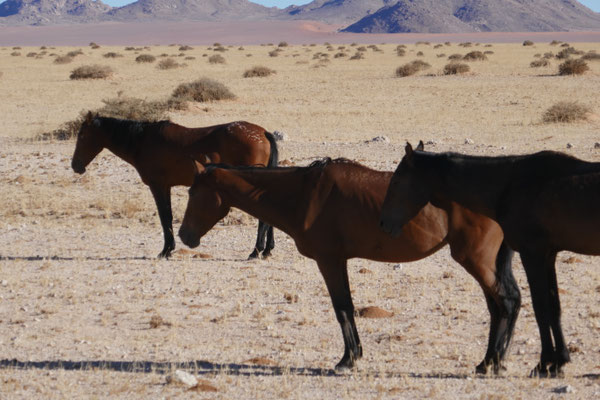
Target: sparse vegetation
[[568, 52], [203, 90], [216, 59], [63, 60], [112, 54], [591, 56], [539, 63], [145, 58], [455, 56], [94, 71], [75, 53], [258, 71], [282, 44], [528, 43], [185, 48], [566, 111], [573, 67], [455, 68], [475, 56], [411, 68], [359, 55], [168, 63]]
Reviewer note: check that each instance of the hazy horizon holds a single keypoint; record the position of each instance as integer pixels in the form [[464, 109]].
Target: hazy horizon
[[592, 4]]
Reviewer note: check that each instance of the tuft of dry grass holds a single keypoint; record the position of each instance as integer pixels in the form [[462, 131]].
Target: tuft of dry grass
[[568, 52], [168, 63], [359, 55], [591, 56], [93, 71], [203, 90], [566, 111], [475, 56], [573, 67], [455, 68], [145, 58], [412, 68], [75, 53], [539, 63], [216, 59], [455, 57], [63, 60], [112, 54], [528, 43], [258, 71], [185, 48]]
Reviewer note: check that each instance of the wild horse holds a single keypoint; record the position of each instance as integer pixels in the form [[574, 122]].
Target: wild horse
[[163, 152], [331, 209], [545, 203]]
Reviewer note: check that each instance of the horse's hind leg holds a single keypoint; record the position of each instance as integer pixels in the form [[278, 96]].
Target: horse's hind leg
[[260, 240], [270, 242], [561, 353], [336, 279], [535, 264], [162, 197]]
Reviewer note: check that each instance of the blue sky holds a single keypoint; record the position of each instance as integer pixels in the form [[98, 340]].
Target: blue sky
[[593, 4]]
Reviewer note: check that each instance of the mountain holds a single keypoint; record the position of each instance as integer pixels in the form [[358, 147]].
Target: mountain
[[40, 12], [198, 10], [335, 11], [454, 16]]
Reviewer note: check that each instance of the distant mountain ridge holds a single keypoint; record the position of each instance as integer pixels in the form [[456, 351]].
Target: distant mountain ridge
[[370, 16]]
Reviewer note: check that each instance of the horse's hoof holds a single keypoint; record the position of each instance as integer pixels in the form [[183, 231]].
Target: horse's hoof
[[345, 365], [555, 371], [482, 368], [266, 255], [165, 254], [254, 255], [540, 371]]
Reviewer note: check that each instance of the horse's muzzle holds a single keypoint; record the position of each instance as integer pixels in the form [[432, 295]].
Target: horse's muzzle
[[188, 238], [390, 228], [77, 166]]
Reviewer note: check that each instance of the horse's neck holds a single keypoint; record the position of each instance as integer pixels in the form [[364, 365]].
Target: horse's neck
[[125, 148], [475, 184], [276, 199]]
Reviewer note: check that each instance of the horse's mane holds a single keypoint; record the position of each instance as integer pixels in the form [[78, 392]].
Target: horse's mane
[[545, 154], [127, 132], [317, 164]]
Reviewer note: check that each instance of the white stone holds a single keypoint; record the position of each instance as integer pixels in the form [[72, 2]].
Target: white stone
[[183, 377], [469, 141], [569, 146]]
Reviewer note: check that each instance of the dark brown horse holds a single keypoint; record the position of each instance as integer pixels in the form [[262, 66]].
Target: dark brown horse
[[331, 209], [545, 203], [163, 153]]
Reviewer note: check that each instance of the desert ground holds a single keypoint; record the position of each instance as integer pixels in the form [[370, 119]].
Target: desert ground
[[88, 311]]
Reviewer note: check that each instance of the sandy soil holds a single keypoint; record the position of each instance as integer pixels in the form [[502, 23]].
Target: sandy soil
[[87, 311]]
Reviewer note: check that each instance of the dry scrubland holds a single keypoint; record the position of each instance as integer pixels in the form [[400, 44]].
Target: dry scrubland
[[79, 281]]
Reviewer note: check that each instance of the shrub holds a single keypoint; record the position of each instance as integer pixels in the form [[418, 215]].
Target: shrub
[[145, 58], [75, 53], [591, 56], [94, 71], [528, 43], [258, 71], [568, 52], [15, 54], [566, 111], [400, 52], [340, 55], [455, 57], [465, 44], [361, 48], [203, 90], [63, 60], [185, 48], [112, 54], [539, 63], [555, 42], [475, 56], [220, 49], [216, 59], [273, 53], [359, 55], [411, 68], [31, 54], [420, 54], [282, 44], [573, 67], [548, 55], [456, 68], [168, 63]]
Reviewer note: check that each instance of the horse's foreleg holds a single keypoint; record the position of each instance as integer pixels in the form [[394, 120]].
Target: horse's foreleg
[[535, 268], [260, 240], [336, 279], [561, 352], [270, 242], [162, 197]]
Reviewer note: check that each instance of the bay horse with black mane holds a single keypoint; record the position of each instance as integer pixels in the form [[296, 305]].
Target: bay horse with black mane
[[163, 153], [545, 203], [331, 209]]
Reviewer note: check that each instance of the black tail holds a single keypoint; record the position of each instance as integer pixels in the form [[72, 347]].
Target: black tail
[[274, 156], [512, 295]]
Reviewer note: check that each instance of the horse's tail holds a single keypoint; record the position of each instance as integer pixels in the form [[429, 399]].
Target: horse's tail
[[509, 288], [274, 156]]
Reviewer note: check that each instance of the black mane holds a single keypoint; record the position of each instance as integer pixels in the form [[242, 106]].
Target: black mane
[[127, 132], [317, 164]]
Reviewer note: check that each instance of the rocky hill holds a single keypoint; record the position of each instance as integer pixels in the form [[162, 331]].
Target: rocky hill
[[42, 12], [453, 16], [342, 12]]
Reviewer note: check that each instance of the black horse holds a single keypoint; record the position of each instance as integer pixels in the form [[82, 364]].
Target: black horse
[[545, 203]]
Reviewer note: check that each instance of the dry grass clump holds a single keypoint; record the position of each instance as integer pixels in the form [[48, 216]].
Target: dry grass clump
[[566, 111], [359, 55], [145, 58], [63, 60], [539, 63], [258, 71], [568, 52], [282, 44], [455, 68], [93, 71], [15, 54], [185, 48], [112, 54], [75, 53], [216, 59], [168, 63], [203, 90], [573, 67], [591, 56], [528, 43], [475, 56], [411, 68], [455, 56]]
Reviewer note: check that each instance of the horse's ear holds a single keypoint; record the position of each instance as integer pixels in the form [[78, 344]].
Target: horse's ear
[[198, 167], [89, 117], [408, 149], [420, 146]]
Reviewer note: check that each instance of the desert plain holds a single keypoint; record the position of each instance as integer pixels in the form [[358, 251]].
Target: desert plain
[[88, 311]]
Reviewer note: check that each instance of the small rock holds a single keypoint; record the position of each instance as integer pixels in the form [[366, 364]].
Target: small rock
[[379, 139], [469, 141], [431, 142], [280, 136], [564, 389], [183, 377], [398, 267], [364, 271], [4, 282], [569, 146]]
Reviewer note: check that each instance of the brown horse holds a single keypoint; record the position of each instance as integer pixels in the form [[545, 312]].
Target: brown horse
[[331, 209], [163, 152], [545, 203]]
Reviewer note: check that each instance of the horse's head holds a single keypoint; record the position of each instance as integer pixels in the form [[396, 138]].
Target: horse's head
[[90, 142], [407, 193], [205, 206]]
